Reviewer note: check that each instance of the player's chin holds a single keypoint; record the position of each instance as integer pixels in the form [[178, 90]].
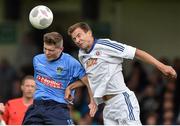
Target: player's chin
[[82, 47], [29, 95], [50, 58]]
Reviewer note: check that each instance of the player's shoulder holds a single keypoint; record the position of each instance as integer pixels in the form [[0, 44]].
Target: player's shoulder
[[108, 42], [100, 40], [14, 101], [40, 56], [68, 57], [104, 41]]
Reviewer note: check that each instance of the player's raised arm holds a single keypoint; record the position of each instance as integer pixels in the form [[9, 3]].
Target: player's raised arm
[[165, 69]]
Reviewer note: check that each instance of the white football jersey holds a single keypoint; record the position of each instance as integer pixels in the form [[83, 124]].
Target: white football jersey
[[103, 65]]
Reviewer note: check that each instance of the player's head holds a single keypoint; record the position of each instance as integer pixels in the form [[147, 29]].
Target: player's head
[[81, 34], [53, 45], [28, 86]]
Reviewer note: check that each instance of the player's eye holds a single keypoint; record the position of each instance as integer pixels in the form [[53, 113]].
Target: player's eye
[[79, 35], [49, 50], [74, 39]]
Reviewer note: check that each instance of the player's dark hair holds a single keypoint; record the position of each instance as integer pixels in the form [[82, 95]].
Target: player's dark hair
[[53, 38], [83, 25], [27, 77]]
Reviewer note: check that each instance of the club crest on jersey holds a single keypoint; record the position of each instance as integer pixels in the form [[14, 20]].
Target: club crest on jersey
[[97, 53], [59, 70], [91, 62]]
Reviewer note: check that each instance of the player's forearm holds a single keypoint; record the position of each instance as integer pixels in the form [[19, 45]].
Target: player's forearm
[[76, 84], [86, 82], [90, 93], [144, 56]]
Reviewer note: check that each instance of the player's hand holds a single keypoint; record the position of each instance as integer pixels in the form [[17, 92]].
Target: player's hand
[[93, 108], [169, 71], [2, 108], [68, 97]]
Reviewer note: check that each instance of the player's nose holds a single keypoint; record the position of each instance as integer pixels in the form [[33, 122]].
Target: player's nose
[[47, 52], [78, 41]]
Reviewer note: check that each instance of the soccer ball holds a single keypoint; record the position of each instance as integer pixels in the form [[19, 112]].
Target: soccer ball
[[41, 17]]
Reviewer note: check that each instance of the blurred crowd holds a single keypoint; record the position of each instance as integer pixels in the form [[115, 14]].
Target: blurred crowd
[[159, 97]]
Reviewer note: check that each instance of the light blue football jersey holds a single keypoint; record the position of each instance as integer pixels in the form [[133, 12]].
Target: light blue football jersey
[[52, 77]]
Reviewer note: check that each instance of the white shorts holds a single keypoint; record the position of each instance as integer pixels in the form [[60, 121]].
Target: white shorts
[[122, 109]]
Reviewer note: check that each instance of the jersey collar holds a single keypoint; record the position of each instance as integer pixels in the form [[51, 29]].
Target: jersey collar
[[95, 40], [57, 58]]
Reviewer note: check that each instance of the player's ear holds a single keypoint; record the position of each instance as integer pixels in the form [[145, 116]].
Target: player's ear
[[90, 33], [61, 48]]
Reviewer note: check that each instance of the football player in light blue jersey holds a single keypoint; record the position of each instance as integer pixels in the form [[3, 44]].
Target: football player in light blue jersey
[[102, 60], [53, 72]]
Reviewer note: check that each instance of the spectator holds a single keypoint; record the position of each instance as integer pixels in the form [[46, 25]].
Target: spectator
[[137, 80], [15, 109], [2, 110], [151, 119]]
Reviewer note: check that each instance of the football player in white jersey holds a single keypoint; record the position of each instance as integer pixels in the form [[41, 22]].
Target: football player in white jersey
[[102, 60]]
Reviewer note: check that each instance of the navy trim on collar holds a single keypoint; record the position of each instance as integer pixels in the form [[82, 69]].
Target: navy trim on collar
[[57, 58], [95, 40]]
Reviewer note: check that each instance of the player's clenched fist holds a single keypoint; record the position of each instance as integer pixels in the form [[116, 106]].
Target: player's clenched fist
[[169, 71], [93, 108], [68, 97]]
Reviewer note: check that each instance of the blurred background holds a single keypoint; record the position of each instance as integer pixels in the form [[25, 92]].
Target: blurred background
[[152, 25]]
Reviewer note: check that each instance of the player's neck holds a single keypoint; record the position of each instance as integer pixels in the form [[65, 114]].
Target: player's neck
[[27, 101], [91, 43], [58, 57]]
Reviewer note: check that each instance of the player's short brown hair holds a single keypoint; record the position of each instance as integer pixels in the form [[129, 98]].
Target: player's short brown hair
[[53, 38], [83, 25]]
